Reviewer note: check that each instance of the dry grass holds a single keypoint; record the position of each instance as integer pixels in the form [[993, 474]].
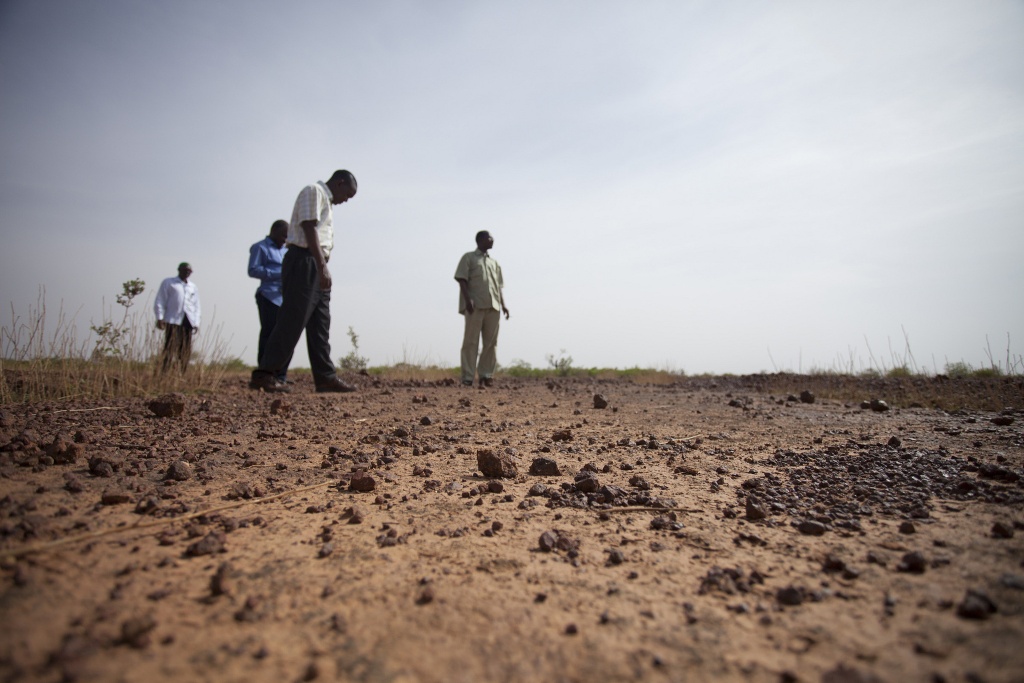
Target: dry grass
[[44, 359]]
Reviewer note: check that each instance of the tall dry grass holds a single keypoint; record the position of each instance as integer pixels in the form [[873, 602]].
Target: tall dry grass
[[44, 357]]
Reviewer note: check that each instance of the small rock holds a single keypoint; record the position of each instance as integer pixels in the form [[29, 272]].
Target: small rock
[[135, 631], [210, 544], [168, 405], [833, 563], [755, 509], [1002, 530], [114, 497], [1002, 420], [362, 482], [562, 435], [810, 527], [600, 402], [616, 556], [178, 471], [426, 421], [426, 595], [791, 595], [841, 674], [280, 406], [914, 563], [878, 405], [356, 514], [894, 442], [548, 540], [496, 465], [806, 396], [544, 467], [587, 482], [908, 528], [221, 582], [976, 605]]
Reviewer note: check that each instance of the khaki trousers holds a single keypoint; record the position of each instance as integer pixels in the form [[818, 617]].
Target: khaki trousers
[[480, 323]]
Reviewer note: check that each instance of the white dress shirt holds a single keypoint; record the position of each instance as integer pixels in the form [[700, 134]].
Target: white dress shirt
[[313, 204], [176, 299]]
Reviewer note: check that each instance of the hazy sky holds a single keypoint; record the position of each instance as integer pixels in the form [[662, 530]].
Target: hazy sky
[[717, 186]]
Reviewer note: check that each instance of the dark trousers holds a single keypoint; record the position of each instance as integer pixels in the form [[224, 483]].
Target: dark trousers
[[268, 320], [177, 345], [305, 307]]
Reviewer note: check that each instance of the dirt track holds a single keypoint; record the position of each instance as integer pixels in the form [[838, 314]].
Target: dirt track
[[227, 544]]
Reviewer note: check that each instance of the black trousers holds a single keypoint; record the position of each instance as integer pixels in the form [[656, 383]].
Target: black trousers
[[268, 320], [177, 345], [305, 307]]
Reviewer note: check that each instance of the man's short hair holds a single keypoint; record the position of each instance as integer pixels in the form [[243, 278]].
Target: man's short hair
[[346, 177], [482, 233], [279, 223]]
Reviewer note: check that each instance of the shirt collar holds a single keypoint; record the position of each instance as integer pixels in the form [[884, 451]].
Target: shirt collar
[[330, 195], [482, 253]]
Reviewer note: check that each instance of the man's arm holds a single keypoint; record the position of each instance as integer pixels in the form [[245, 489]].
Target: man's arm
[[313, 243], [464, 288], [160, 306], [501, 297], [256, 267]]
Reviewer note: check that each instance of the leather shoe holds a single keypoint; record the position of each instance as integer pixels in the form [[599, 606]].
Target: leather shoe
[[334, 385], [269, 384]]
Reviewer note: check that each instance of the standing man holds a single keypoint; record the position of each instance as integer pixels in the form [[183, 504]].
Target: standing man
[[178, 315], [306, 289], [265, 265], [480, 285]]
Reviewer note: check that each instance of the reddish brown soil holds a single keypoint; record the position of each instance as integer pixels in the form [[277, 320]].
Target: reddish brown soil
[[262, 564]]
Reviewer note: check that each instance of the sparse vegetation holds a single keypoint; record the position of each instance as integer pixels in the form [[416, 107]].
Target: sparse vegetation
[[121, 359], [114, 339], [562, 364], [353, 362]]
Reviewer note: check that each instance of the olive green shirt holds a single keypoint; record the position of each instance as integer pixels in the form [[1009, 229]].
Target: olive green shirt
[[483, 274]]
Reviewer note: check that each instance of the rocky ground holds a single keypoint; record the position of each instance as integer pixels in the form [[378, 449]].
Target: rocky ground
[[703, 530]]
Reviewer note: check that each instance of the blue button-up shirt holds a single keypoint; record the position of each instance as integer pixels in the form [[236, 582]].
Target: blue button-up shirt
[[265, 264]]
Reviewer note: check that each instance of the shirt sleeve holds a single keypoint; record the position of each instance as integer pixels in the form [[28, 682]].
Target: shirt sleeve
[[307, 206], [160, 303], [462, 270], [255, 261]]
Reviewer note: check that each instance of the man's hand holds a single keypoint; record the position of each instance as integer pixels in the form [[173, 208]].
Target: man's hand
[[470, 307], [161, 325], [505, 311], [325, 279]]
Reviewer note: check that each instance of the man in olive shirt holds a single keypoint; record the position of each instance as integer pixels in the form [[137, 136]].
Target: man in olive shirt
[[481, 302]]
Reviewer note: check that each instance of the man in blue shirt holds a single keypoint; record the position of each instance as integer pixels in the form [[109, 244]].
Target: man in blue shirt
[[265, 264]]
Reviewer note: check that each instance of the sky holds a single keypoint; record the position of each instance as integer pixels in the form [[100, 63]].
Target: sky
[[704, 187]]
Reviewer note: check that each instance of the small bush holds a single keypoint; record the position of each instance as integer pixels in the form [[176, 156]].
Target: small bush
[[353, 362], [562, 364]]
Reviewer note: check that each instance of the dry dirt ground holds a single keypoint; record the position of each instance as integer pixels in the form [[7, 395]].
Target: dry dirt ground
[[699, 531]]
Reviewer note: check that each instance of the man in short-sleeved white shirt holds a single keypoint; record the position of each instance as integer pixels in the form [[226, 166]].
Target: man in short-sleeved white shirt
[[306, 289]]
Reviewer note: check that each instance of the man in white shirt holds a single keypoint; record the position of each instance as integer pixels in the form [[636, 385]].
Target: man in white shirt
[[178, 314], [306, 289]]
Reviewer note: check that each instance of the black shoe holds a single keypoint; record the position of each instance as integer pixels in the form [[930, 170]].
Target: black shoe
[[486, 382], [467, 382], [269, 384], [334, 385]]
